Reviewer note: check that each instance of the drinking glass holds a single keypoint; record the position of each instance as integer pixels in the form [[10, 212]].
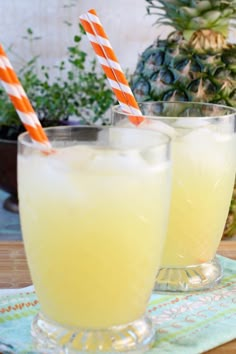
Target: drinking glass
[[204, 164], [94, 217]]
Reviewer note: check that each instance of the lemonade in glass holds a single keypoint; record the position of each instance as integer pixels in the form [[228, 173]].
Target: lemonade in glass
[[94, 217], [204, 165]]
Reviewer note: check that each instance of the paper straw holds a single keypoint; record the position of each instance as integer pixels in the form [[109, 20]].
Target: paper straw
[[109, 62], [21, 102], [119, 84]]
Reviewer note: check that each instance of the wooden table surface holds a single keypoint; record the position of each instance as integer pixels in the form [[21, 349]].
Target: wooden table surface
[[14, 273]]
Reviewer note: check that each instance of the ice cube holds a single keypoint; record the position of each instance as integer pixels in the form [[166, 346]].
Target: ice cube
[[73, 157], [124, 123], [198, 139], [133, 139], [190, 123], [107, 162], [158, 125]]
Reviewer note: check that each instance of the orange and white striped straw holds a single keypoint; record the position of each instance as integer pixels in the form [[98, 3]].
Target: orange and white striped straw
[[21, 102], [110, 65]]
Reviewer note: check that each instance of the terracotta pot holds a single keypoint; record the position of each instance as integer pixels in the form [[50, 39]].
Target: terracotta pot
[[8, 173]]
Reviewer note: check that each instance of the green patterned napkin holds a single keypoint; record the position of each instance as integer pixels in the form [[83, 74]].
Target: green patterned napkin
[[189, 323]]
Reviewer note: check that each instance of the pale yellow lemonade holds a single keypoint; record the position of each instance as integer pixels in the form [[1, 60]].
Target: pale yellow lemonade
[[94, 225], [204, 164]]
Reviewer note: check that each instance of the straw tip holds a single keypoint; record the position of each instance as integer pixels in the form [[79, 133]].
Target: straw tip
[[92, 11], [2, 52]]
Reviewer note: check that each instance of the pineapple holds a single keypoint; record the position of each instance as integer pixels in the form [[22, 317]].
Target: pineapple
[[194, 63]]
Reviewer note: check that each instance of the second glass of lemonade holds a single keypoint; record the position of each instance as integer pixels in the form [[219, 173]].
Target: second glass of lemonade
[[204, 164], [94, 218]]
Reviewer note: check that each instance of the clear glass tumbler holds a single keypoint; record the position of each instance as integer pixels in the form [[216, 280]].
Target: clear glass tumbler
[[94, 217], [204, 164]]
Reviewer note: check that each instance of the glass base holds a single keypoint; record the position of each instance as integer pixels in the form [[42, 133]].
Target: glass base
[[192, 278], [50, 337]]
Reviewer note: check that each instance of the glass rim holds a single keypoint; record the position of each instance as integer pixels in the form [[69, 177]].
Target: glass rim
[[21, 140], [230, 111]]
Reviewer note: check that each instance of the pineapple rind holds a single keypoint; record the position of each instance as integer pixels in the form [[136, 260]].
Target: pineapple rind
[[169, 69]]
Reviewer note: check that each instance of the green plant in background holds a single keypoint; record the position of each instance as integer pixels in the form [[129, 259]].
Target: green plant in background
[[77, 94]]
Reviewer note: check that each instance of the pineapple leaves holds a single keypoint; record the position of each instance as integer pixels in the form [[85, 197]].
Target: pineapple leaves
[[194, 14]]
